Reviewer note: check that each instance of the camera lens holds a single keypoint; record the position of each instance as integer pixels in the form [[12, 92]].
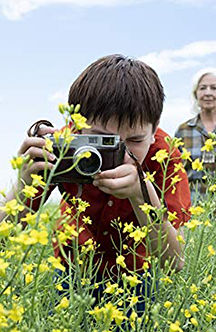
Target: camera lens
[[88, 166]]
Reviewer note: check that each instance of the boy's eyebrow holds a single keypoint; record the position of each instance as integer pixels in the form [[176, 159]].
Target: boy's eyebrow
[[101, 132]]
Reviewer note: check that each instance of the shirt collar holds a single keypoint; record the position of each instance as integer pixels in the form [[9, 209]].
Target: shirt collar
[[194, 121]]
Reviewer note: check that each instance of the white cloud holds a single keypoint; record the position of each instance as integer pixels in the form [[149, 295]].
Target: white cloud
[[59, 97], [167, 61], [16, 9], [193, 2], [175, 112]]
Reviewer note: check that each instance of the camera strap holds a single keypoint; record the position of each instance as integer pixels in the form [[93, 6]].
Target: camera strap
[[144, 189], [33, 130]]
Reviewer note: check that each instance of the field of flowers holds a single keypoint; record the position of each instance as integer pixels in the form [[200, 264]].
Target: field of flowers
[[32, 293]]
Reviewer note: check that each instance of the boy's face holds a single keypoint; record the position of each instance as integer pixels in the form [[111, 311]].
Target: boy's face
[[137, 139]]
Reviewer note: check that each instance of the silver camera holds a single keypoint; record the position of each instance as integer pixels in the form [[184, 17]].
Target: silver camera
[[107, 152]]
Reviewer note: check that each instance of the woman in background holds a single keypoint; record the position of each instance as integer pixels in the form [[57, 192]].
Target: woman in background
[[195, 131]]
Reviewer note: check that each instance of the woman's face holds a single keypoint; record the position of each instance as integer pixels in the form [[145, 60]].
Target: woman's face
[[206, 93]]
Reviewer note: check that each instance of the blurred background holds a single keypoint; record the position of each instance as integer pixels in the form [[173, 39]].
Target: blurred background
[[45, 44]]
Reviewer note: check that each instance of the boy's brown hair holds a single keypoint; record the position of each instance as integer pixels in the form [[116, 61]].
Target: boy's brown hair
[[119, 87]]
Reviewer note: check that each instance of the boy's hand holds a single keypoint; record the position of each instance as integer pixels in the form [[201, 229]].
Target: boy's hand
[[121, 182], [33, 147]]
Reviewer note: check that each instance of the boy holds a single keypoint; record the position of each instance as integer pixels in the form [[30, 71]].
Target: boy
[[121, 96]]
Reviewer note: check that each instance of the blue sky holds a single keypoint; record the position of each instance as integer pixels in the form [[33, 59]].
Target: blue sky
[[45, 44]]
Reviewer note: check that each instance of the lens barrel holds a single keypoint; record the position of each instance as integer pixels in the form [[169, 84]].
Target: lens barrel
[[87, 166]]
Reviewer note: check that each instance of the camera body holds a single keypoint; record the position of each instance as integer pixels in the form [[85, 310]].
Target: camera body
[[106, 152]]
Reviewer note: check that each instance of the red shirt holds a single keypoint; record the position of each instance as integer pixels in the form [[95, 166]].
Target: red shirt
[[105, 208]]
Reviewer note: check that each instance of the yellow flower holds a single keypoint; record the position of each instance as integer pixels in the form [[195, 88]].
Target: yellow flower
[[29, 191], [57, 134], [149, 177], [3, 266], [27, 267], [196, 210], [194, 308], [15, 314], [186, 155], [193, 288], [175, 179], [207, 223], [79, 121], [194, 321], [110, 288], [133, 317], [167, 304], [146, 208], [48, 144], [212, 188], [175, 327], [87, 220], [166, 280], [172, 215], [175, 141], [160, 156], [202, 302], [44, 217], [211, 250], [193, 224], [86, 154], [67, 135], [5, 228], [23, 239], [37, 180], [180, 239], [133, 280], [56, 263], [133, 300], [43, 267], [207, 279], [139, 234], [187, 313], [82, 205], [210, 317], [12, 207], [120, 260], [28, 278], [179, 167], [213, 308], [30, 218], [64, 303], [128, 227], [39, 237], [145, 266], [70, 230], [197, 165], [85, 281], [209, 145], [17, 162]]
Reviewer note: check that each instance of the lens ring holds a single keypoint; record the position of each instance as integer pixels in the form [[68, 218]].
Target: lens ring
[[94, 162]]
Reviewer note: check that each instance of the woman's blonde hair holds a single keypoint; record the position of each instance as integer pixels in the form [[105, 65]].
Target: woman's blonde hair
[[195, 82]]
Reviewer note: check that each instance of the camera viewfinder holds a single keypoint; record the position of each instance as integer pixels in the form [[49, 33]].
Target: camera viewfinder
[[108, 140]]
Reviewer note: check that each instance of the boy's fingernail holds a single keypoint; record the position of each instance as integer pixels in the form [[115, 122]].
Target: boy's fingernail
[[52, 157]]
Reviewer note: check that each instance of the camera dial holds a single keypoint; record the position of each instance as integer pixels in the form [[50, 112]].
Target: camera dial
[[88, 166]]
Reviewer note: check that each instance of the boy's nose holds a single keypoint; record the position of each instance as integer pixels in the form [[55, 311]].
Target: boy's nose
[[127, 159]]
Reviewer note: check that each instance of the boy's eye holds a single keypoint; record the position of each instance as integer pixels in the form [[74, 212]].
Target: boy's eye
[[135, 141]]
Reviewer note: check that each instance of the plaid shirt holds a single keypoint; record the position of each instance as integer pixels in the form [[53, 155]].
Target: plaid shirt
[[194, 134]]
